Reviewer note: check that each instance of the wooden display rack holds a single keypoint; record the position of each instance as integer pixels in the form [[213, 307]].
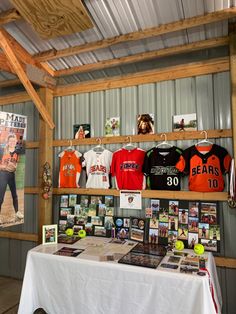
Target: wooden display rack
[[171, 136]]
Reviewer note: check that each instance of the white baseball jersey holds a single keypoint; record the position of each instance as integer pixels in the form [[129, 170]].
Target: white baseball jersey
[[97, 168]]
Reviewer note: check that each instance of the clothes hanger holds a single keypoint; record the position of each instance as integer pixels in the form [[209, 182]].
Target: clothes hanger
[[205, 140], [164, 143], [129, 146], [70, 147], [99, 148]]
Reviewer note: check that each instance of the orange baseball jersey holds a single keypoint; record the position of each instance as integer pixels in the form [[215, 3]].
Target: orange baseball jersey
[[70, 169], [205, 170]]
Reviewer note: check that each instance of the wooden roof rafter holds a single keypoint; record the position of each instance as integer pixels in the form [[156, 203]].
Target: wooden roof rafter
[[204, 44], [217, 16], [8, 49]]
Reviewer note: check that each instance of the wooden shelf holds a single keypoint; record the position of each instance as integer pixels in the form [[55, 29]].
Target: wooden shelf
[[171, 136], [182, 195]]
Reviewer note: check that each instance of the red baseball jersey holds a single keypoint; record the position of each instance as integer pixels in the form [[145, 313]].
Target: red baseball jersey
[[205, 170], [127, 166], [70, 169]]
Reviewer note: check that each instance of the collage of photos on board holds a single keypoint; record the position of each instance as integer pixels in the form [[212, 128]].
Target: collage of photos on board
[[191, 222], [94, 214]]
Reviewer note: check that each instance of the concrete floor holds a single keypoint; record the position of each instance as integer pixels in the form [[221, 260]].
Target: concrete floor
[[10, 290]]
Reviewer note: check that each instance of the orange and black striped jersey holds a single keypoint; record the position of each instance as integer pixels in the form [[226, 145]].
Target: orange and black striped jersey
[[205, 170]]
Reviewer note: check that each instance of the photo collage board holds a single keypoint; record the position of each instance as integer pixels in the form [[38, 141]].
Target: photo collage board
[[92, 213], [165, 221], [190, 221]]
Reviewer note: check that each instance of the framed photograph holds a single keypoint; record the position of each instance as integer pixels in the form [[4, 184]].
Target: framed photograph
[[172, 236], [81, 131], [155, 206], [153, 223], [112, 126], [173, 223], [209, 245], [72, 199], [99, 231], [203, 231], [163, 215], [49, 234], [109, 200], [65, 211], [183, 216], [208, 213], [145, 123], [153, 236], [139, 259], [97, 220], [174, 208], [150, 249], [192, 240], [110, 211], [64, 202], [163, 229], [193, 209], [214, 232], [185, 122]]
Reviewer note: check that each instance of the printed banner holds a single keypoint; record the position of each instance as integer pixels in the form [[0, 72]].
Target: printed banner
[[12, 168]]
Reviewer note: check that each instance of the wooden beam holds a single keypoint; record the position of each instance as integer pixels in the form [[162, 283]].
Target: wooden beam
[[4, 64], [204, 44], [233, 85], [226, 262], [45, 155], [9, 52], [9, 16], [171, 136], [214, 65], [180, 195], [147, 33], [9, 83], [32, 190], [14, 98], [36, 74], [19, 236], [145, 77], [22, 54]]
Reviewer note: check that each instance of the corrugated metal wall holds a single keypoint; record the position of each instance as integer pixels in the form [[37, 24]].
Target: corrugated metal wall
[[208, 96]]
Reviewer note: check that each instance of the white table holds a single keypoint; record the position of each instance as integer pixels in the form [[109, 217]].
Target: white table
[[73, 285]]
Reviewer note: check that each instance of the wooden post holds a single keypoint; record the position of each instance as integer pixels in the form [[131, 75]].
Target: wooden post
[[233, 84], [45, 155]]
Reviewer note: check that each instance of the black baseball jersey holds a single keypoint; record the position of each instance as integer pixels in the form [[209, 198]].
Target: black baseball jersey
[[159, 167]]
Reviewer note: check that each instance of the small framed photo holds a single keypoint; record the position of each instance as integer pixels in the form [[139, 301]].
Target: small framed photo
[[81, 131], [72, 199], [185, 122], [145, 123], [64, 202], [49, 234]]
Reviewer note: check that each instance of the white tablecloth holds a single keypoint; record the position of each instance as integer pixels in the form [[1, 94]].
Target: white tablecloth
[[61, 284]]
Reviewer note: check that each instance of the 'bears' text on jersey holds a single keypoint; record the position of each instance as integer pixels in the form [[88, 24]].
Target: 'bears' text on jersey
[[205, 170]]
